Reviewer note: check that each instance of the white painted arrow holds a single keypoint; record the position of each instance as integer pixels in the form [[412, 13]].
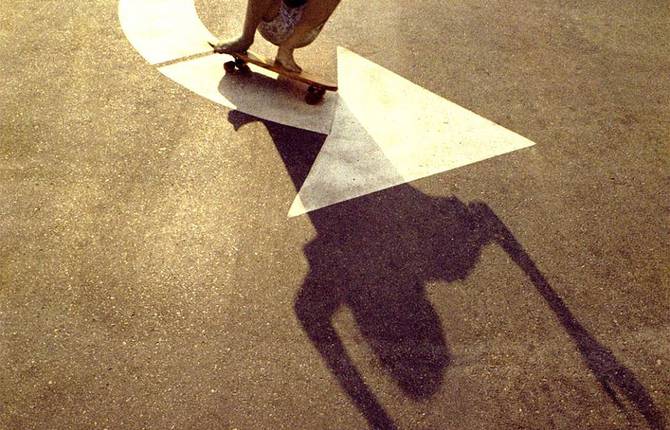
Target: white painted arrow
[[389, 131], [383, 129]]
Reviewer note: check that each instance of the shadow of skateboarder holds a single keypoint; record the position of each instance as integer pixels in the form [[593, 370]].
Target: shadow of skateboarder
[[375, 254]]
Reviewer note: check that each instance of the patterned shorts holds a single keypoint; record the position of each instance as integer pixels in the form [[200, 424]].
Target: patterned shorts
[[282, 26]]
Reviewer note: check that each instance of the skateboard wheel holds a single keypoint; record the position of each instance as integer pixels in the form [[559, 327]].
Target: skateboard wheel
[[239, 63], [244, 69], [314, 95], [229, 66]]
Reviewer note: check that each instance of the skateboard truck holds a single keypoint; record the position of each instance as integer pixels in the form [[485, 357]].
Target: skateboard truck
[[237, 65], [314, 94]]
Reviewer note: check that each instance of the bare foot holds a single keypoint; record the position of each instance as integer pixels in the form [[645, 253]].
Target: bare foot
[[285, 59], [231, 46]]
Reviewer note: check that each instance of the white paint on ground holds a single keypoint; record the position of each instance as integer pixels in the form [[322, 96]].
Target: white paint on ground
[[350, 164], [168, 30], [385, 131], [164, 30], [403, 133], [259, 94]]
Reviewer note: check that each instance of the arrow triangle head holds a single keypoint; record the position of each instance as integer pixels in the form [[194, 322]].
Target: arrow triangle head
[[388, 131]]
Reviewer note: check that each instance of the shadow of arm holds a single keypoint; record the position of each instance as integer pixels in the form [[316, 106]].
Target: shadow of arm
[[315, 306], [600, 360]]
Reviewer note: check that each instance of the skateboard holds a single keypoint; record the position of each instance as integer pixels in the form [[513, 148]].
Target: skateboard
[[317, 86]]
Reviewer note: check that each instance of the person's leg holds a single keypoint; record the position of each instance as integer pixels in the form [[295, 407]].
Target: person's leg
[[256, 11], [316, 13]]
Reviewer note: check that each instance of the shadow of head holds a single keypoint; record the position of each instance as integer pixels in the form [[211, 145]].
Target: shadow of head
[[409, 343]]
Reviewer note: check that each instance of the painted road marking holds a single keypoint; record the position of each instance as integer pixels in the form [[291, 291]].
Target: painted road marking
[[170, 35], [164, 30], [383, 130], [259, 94], [389, 131], [350, 164]]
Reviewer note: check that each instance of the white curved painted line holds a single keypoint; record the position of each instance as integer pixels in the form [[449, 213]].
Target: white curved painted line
[[260, 94], [163, 30], [170, 30]]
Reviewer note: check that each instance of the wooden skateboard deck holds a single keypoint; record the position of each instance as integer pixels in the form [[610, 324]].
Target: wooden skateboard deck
[[317, 85]]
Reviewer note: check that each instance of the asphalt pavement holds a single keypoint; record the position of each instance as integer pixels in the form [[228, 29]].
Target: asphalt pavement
[[151, 278]]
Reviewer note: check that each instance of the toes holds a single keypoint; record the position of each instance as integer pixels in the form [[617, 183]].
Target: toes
[[229, 47], [295, 69], [290, 66], [218, 47]]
